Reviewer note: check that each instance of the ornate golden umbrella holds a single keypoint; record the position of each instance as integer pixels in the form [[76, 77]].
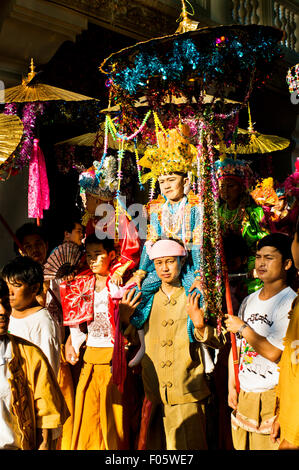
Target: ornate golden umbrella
[[30, 91], [11, 131], [88, 140], [258, 143]]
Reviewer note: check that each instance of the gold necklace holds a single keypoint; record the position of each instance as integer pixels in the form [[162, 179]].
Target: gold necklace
[[234, 217]]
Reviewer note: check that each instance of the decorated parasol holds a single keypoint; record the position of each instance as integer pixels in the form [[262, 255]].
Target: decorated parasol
[[11, 131], [190, 63], [89, 139], [257, 142], [220, 61], [31, 96], [30, 90]]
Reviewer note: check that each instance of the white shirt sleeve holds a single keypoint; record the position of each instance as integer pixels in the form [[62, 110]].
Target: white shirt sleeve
[[46, 335], [280, 324]]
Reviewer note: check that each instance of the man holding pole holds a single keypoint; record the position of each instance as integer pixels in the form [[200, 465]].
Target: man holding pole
[[260, 329]]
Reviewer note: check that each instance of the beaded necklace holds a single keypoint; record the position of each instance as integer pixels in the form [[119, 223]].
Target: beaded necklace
[[235, 219], [173, 222]]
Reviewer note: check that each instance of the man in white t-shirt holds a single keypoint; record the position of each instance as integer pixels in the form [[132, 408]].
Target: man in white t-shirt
[[29, 320], [260, 328]]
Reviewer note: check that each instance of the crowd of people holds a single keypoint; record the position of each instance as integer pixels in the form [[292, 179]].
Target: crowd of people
[[117, 352]]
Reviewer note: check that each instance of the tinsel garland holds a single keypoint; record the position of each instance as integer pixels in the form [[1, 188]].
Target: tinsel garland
[[120, 156], [211, 271], [292, 78], [152, 189], [29, 114], [58, 112], [229, 58], [137, 165]]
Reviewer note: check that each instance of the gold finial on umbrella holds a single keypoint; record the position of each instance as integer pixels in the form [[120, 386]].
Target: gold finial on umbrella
[[258, 143], [30, 75], [29, 91], [185, 23]]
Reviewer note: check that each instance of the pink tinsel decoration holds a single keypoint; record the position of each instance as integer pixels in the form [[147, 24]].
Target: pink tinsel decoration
[[29, 114], [38, 187]]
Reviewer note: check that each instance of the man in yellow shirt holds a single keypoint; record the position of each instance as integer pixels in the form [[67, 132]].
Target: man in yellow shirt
[[31, 403], [286, 427]]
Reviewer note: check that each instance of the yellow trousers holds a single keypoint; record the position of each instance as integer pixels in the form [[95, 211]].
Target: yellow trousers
[[65, 381], [98, 420], [185, 426], [252, 421], [177, 427]]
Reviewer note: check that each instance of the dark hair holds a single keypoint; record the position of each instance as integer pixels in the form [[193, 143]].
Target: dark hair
[[107, 243], [297, 228], [29, 228], [70, 224], [4, 292], [180, 173], [25, 270], [282, 243]]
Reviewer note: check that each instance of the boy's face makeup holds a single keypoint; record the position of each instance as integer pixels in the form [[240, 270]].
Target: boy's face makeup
[[36, 248], [270, 266], [98, 259], [295, 250], [21, 295], [172, 186], [168, 268], [76, 235], [5, 311]]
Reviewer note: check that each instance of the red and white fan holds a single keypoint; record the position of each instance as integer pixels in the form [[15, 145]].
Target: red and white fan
[[62, 261]]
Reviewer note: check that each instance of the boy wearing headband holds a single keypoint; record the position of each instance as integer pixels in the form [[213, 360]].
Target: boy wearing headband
[[173, 369], [176, 213]]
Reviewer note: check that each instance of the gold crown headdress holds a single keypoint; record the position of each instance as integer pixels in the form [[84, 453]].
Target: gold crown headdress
[[173, 153]]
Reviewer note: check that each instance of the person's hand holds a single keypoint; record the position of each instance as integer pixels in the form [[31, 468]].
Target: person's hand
[[70, 353], [136, 278], [116, 279], [196, 285], [233, 323], [195, 313], [275, 431], [232, 397], [128, 304]]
